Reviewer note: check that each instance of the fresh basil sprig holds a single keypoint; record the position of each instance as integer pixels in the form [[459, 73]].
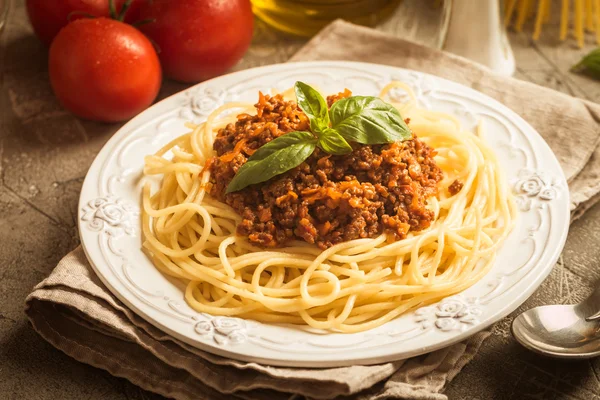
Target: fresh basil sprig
[[360, 119], [368, 120], [330, 141], [590, 64], [313, 105], [274, 158]]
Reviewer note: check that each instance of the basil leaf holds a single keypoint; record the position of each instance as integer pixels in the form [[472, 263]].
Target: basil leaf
[[590, 64], [333, 143], [368, 120], [313, 105], [274, 158]]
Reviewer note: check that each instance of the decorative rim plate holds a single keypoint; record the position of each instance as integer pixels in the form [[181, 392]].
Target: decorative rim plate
[[109, 223]]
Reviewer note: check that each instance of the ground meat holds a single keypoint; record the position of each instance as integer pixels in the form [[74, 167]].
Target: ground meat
[[274, 117], [327, 199], [335, 97], [455, 187]]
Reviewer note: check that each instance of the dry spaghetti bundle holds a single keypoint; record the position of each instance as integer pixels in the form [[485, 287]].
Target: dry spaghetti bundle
[[580, 15]]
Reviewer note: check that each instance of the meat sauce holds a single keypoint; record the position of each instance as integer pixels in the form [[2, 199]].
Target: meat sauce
[[327, 199]]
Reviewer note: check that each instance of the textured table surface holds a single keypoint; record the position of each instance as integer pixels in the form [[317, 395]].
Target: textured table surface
[[45, 153]]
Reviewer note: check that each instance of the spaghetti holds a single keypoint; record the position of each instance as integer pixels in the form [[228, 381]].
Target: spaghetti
[[585, 17], [351, 286]]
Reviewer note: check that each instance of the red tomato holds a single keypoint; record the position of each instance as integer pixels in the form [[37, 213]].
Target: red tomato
[[104, 70], [49, 16], [198, 39]]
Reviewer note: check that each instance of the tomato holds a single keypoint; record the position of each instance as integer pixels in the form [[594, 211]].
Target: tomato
[[104, 70], [198, 39], [49, 16]]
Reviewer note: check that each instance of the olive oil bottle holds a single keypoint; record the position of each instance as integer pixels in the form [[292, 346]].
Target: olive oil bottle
[[307, 17]]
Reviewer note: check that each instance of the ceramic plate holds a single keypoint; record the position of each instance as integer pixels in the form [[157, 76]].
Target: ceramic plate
[[109, 223]]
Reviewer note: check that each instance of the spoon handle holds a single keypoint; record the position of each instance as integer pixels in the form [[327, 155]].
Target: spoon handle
[[592, 304], [593, 317]]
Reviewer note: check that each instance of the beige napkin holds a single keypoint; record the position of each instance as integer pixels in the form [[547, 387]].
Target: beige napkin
[[77, 314]]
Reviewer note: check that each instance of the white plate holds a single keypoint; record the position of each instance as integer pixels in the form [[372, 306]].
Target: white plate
[[109, 223]]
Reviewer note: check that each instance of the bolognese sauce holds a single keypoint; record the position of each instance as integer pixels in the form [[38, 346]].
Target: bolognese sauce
[[327, 199]]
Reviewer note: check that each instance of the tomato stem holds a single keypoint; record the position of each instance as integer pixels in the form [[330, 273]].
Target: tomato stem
[[111, 9], [124, 9], [144, 22]]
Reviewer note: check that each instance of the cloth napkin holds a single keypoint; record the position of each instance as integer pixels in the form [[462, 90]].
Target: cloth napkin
[[75, 312]]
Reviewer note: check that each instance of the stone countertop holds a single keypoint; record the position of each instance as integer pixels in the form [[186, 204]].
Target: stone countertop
[[45, 153]]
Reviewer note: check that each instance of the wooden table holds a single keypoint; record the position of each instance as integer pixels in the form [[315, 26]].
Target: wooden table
[[45, 153]]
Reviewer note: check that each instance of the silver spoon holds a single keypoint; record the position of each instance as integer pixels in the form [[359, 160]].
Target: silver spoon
[[562, 331]]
